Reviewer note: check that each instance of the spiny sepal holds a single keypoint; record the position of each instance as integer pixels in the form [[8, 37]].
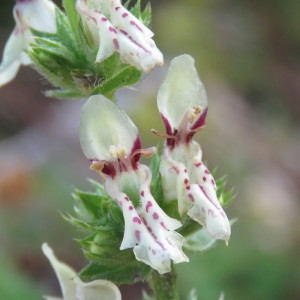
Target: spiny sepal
[[101, 217]]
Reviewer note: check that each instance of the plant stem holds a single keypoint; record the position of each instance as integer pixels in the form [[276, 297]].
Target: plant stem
[[164, 286]]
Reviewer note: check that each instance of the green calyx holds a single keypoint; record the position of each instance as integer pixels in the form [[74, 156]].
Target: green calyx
[[67, 58]]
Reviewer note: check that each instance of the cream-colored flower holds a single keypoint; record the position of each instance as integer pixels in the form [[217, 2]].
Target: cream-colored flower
[[117, 30], [73, 288], [182, 103], [111, 142], [36, 14]]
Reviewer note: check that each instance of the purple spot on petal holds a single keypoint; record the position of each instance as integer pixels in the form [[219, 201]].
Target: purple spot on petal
[[124, 15], [130, 207], [116, 44], [198, 164], [112, 29], [175, 169], [137, 220], [137, 235], [204, 178], [136, 25], [206, 172], [186, 181], [149, 204], [124, 31], [191, 197], [155, 216], [142, 193], [163, 225]]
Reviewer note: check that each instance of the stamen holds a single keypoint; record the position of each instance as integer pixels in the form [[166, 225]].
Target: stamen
[[163, 135], [118, 152]]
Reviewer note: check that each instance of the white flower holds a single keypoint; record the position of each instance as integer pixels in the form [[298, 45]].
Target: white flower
[[73, 288], [182, 103], [36, 14], [112, 143], [119, 31]]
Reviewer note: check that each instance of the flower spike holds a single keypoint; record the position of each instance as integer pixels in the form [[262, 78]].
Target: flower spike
[[112, 143], [36, 14], [119, 31], [182, 103]]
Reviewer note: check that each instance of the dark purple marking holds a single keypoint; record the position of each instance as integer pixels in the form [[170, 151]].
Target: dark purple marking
[[137, 220], [130, 207], [201, 121], [124, 15], [198, 164], [135, 153], [167, 124], [149, 204], [103, 19], [142, 193], [163, 225], [191, 196], [116, 44], [136, 25], [123, 31], [186, 181], [137, 235], [206, 171], [175, 169], [112, 29], [155, 216], [139, 45], [207, 196], [204, 178], [109, 169], [93, 19]]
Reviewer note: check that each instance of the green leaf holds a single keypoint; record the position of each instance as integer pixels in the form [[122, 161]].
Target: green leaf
[[225, 198], [126, 273], [127, 77], [55, 48]]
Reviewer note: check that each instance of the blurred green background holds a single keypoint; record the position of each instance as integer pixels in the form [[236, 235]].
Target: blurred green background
[[248, 56]]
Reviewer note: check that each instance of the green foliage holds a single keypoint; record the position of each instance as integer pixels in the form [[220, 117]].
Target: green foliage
[[67, 60], [101, 217], [225, 197]]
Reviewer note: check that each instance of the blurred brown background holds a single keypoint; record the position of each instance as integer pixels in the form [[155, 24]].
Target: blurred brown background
[[248, 56]]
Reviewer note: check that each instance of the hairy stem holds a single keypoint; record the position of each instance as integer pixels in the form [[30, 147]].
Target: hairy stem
[[164, 286]]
